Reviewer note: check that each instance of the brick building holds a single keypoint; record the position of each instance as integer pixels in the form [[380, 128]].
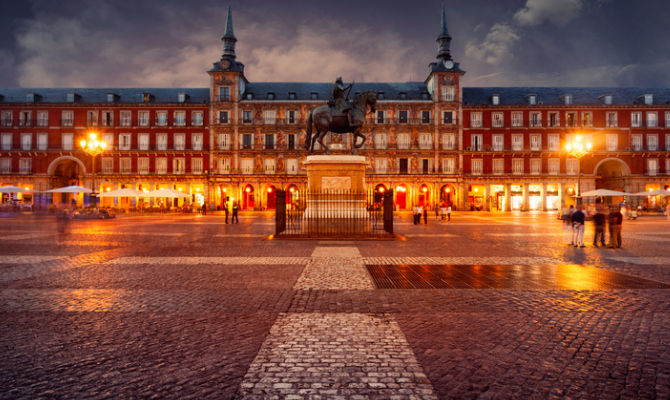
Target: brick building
[[431, 141]]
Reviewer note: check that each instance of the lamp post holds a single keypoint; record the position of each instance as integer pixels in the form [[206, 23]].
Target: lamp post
[[93, 147], [578, 149]]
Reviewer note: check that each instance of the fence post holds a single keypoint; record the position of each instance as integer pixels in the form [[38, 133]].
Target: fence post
[[280, 211], [388, 211]]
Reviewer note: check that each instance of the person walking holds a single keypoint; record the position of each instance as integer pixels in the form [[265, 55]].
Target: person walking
[[415, 211], [578, 227], [225, 210], [235, 220], [443, 212], [599, 224], [449, 213], [425, 214], [420, 212], [569, 229], [616, 222], [204, 208]]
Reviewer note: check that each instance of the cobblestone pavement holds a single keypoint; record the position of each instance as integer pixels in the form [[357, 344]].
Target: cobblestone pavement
[[188, 307]]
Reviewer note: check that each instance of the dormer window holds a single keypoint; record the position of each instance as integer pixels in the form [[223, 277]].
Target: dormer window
[[146, 97], [380, 96], [402, 96], [70, 97], [607, 99], [425, 96], [532, 99], [314, 96], [648, 99], [567, 99], [291, 95], [250, 96], [32, 97], [495, 100], [111, 97], [181, 97], [270, 96]]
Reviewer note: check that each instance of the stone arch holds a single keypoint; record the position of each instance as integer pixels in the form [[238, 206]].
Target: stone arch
[[612, 160], [54, 164], [611, 173]]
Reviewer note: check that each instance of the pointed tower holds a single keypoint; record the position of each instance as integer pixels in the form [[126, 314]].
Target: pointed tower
[[443, 39], [229, 38]]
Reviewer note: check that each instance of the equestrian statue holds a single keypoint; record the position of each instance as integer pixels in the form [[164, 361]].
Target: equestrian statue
[[340, 116]]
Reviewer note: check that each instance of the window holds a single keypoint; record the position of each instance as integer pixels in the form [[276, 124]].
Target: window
[[636, 142], [554, 119], [223, 117], [652, 142], [269, 166], [290, 142], [403, 165], [179, 118], [380, 116], [636, 119], [247, 165], [161, 165], [612, 141], [449, 165], [652, 166], [67, 141], [67, 118], [498, 166], [196, 166], [125, 165], [247, 116], [5, 165], [161, 141], [535, 142], [291, 95], [269, 142], [425, 117], [26, 118], [567, 99], [611, 120], [6, 118], [517, 166], [224, 93], [607, 99], [448, 141], [107, 165], [495, 100], [553, 142], [6, 141], [247, 141], [224, 165], [381, 141], [250, 96], [571, 165], [667, 144], [178, 166], [571, 119], [108, 118], [196, 141], [425, 141], [497, 120], [92, 118], [532, 99], [403, 141], [161, 118], [25, 165], [476, 120], [652, 119], [109, 140], [535, 166], [42, 141], [476, 142], [476, 165], [179, 141], [143, 141], [517, 142], [448, 93], [292, 166], [26, 141], [143, 118], [381, 165], [667, 119], [126, 118], [535, 119], [143, 165], [43, 118], [648, 99], [269, 117], [314, 96], [587, 119], [223, 141], [517, 119], [125, 141], [554, 165], [181, 97], [290, 117], [448, 117], [402, 116], [196, 118], [498, 142]]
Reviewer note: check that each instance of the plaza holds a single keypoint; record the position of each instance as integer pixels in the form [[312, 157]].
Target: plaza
[[488, 305]]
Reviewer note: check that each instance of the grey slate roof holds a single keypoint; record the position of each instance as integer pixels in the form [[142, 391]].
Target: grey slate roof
[[509, 96], [303, 90], [94, 96]]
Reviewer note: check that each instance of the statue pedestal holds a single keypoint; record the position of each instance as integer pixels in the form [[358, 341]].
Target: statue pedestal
[[336, 186]]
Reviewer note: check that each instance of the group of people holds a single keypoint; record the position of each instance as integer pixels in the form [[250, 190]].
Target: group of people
[[574, 220], [234, 219], [442, 212]]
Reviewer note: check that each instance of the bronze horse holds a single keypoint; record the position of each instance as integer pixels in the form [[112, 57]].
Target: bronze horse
[[325, 122]]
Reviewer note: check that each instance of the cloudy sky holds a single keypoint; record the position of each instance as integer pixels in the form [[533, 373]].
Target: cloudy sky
[[171, 43]]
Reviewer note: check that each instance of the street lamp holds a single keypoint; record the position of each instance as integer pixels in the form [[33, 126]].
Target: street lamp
[[93, 147], [578, 149]]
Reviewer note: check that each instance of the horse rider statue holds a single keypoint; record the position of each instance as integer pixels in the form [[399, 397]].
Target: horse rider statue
[[339, 102]]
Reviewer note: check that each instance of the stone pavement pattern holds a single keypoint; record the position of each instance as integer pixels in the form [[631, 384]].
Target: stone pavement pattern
[[186, 307]]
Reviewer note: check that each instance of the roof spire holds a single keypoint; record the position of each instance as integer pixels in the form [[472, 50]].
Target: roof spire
[[443, 39], [229, 38]]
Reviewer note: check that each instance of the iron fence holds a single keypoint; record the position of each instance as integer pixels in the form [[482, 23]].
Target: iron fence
[[334, 213]]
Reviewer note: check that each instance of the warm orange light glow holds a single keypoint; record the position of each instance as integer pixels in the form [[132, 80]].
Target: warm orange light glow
[[447, 190], [26, 188], [92, 136], [108, 189], [381, 189], [82, 143], [179, 189], [197, 189], [224, 190], [476, 190], [247, 190], [291, 190], [424, 189], [269, 190]]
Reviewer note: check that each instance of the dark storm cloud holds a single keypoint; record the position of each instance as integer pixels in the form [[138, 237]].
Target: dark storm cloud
[[170, 43]]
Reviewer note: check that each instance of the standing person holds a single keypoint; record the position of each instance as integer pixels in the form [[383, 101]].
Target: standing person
[[449, 212], [443, 212], [437, 211], [418, 218], [616, 222], [415, 211], [599, 224], [425, 214], [225, 209], [235, 220], [204, 208], [569, 230], [578, 227]]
